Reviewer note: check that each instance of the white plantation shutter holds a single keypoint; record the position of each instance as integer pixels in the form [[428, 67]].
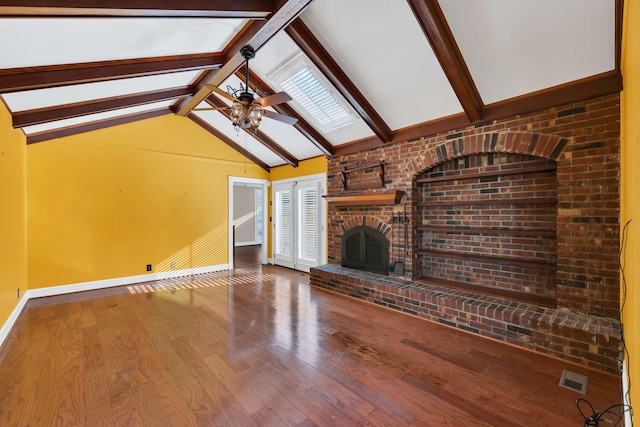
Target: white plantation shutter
[[308, 223], [284, 218], [299, 222], [316, 99], [308, 87]]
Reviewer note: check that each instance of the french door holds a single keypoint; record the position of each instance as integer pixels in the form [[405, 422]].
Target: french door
[[299, 222]]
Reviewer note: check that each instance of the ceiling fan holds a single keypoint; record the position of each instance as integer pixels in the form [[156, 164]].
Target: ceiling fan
[[248, 106]]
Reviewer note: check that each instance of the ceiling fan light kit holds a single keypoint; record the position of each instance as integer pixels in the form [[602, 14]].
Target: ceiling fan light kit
[[247, 108], [245, 112], [244, 117]]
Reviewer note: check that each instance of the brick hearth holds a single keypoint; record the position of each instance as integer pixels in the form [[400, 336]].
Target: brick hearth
[[544, 240], [588, 340]]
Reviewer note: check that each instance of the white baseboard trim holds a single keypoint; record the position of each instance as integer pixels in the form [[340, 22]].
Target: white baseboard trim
[[99, 284], [248, 243], [6, 328], [270, 261], [209, 269]]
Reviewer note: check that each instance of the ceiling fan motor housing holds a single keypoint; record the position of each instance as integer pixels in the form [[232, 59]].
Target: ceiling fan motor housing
[[247, 52]]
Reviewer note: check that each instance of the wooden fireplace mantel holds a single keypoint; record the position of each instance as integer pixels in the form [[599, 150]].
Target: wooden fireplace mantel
[[366, 199]]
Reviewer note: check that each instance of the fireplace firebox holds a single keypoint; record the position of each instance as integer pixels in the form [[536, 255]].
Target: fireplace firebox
[[365, 248]]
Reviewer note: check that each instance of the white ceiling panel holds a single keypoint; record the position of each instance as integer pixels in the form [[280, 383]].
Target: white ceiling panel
[[514, 47], [273, 54], [95, 117], [65, 41], [40, 98], [289, 138], [388, 57], [243, 139]]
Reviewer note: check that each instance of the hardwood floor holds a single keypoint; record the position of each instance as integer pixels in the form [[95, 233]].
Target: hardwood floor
[[245, 256], [259, 347]]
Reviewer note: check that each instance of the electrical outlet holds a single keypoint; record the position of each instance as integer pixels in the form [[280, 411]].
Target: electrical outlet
[[173, 264], [148, 267]]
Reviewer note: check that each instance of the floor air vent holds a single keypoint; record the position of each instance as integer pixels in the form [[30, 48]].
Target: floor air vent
[[573, 381]]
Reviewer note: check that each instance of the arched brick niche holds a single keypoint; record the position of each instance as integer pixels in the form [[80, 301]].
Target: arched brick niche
[[586, 222], [533, 144], [486, 222]]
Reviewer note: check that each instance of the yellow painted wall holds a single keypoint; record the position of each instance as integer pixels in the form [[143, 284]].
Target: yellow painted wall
[[630, 193], [13, 250], [104, 204], [305, 167]]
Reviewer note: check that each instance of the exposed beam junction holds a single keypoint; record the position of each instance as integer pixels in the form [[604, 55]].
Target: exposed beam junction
[[256, 36]]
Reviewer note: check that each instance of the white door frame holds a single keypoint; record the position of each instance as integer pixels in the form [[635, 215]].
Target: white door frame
[[322, 241], [264, 184]]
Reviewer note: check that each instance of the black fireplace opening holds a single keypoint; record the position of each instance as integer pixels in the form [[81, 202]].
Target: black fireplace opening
[[365, 248]]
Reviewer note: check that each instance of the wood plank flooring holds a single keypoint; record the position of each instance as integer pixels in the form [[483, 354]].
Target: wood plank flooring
[[245, 256], [259, 347]]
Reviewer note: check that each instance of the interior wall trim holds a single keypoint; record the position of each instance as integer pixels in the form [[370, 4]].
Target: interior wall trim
[[253, 243], [98, 284], [628, 421]]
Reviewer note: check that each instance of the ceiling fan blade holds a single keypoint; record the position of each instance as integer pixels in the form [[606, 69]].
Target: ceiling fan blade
[[220, 92], [280, 117], [275, 99]]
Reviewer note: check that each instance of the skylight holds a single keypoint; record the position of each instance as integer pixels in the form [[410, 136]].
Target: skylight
[[309, 88]]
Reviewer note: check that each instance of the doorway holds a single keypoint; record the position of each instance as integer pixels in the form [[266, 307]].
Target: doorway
[[299, 222], [247, 219]]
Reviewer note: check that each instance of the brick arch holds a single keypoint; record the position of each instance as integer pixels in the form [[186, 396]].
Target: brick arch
[[533, 144], [368, 220]]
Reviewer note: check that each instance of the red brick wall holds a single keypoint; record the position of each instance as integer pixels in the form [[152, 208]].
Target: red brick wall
[[582, 137], [589, 340], [501, 216]]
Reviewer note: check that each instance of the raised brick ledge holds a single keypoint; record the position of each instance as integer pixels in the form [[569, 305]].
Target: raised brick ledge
[[587, 340]]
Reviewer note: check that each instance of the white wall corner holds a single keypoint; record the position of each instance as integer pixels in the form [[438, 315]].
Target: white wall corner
[[625, 394]]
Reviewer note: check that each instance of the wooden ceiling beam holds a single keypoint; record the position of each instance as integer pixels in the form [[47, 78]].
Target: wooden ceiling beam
[[309, 44], [618, 43], [60, 112], [579, 90], [25, 78], [418, 131], [249, 9], [261, 137], [100, 124], [256, 36], [224, 138], [435, 28], [289, 158], [302, 125]]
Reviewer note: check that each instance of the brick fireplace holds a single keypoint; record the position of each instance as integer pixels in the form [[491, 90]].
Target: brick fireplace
[[507, 229], [365, 248]]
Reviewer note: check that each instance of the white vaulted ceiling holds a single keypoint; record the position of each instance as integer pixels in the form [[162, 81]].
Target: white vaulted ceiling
[[405, 68]]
